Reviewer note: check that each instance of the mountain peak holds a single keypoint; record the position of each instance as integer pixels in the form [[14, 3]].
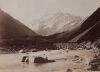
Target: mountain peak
[[57, 22]]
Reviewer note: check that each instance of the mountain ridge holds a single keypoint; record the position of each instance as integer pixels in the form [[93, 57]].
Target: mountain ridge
[[58, 22]]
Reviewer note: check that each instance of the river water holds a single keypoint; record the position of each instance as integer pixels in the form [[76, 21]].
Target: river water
[[11, 63]]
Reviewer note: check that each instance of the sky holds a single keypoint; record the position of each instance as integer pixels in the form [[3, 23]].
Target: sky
[[27, 11]]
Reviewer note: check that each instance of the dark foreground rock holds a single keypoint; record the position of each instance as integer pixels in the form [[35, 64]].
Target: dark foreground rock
[[42, 60]]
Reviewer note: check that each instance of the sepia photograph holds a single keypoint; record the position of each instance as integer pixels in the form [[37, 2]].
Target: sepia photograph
[[49, 35]]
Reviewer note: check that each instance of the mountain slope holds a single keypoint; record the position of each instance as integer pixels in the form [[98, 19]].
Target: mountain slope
[[92, 35], [11, 29], [91, 24]]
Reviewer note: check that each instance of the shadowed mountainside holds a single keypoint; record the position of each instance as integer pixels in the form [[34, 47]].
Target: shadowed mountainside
[[89, 30], [12, 30]]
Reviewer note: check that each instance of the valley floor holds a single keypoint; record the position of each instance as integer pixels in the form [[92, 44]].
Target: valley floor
[[75, 60]]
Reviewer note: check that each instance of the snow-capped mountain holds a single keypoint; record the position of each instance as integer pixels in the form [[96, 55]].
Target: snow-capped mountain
[[55, 23]]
